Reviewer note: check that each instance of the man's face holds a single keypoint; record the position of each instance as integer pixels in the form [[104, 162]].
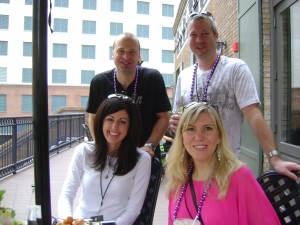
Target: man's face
[[201, 38], [126, 54]]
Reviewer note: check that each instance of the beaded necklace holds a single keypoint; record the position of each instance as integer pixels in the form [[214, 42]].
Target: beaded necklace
[[204, 98], [135, 83], [183, 189]]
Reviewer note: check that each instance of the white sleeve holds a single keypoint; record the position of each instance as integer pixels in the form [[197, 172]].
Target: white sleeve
[[139, 190]]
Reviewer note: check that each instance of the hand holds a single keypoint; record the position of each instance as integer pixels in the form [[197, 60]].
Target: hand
[[148, 150], [174, 120], [284, 167]]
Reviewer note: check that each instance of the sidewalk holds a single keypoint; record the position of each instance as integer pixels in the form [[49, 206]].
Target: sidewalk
[[18, 188]]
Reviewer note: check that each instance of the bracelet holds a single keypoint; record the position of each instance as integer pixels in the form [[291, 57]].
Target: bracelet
[[272, 153], [151, 145]]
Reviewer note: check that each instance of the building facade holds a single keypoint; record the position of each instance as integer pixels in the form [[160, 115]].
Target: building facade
[[79, 47]]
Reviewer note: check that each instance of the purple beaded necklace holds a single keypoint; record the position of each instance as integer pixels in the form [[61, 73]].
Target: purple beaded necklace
[[183, 189], [135, 83], [204, 98]]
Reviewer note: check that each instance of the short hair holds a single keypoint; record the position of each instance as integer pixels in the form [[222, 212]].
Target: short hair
[[128, 35], [127, 154], [204, 16]]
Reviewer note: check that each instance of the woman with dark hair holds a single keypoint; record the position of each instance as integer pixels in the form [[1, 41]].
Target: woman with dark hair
[[112, 172]]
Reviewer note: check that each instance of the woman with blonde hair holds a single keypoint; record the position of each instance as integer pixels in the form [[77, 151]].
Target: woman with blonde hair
[[207, 183]]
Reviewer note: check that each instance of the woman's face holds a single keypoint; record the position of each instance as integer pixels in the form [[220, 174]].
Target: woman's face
[[115, 128], [201, 138]]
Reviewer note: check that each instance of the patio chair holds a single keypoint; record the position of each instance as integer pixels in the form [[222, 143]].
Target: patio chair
[[284, 195]]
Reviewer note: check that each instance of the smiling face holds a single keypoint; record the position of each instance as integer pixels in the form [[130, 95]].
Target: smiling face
[[115, 128], [201, 139]]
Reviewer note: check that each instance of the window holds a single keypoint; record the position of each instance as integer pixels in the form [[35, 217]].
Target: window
[[143, 8], [3, 47], [167, 56], [83, 101], [88, 27], [59, 76], [27, 49], [90, 4], [116, 5], [26, 75], [168, 10], [87, 76], [60, 25], [28, 2], [28, 23], [60, 50], [2, 103], [167, 33], [168, 79], [142, 31], [3, 74], [110, 53], [62, 3], [4, 20], [58, 101], [26, 103], [116, 28], [88, 52], [145, 54]]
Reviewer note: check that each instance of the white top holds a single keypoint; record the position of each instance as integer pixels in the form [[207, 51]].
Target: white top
[[231, 88], [125, 194]]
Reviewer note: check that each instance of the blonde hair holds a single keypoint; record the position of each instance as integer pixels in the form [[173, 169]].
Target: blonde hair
[[179, 160]]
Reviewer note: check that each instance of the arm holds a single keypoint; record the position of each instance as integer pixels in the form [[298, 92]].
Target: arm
[[158, 131], [91, 123], [265, 138]]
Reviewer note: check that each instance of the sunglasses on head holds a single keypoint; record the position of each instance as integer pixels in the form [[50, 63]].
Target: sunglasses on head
[[204, 13], [120, 96], [200, 103]]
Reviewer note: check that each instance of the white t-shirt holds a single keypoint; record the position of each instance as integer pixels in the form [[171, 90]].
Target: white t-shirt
[[231, 88], [124, 195]]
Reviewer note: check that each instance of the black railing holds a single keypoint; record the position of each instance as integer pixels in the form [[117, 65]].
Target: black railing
[[16, 139]]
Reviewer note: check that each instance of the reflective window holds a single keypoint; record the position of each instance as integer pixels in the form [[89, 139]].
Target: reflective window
[[60, 25], [116, 5], [142, 31], [28, 23], [88, 52], [4, 21], [58, 101], [26, 103], [88, 27], [167, 56], [26, 75], [143, 8], [59, 76], [87, 76], [168, 10], [3, 74], [60, 50]]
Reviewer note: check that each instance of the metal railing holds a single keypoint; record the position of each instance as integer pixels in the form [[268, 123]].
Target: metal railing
[[16, 139]]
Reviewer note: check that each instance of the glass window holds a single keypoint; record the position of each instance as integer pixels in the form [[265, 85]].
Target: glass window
[[4, 1], [4, 21], [27, 49], [26, 103], [167, 33], [28, 23], [168, 10], [143, 8], [60, 25], [26, 75], [62, 3], [90, 4], [142, 31], [145, 54], [116, 29], [60, 50], [59, 76], [2, 103], [88, 52], [88, 27], [28, 2], [58, 101], [87, 76], [3, 47], [110, 53], [167, 56], [116, 5], [3, 74], [83, 101], [168, 79]]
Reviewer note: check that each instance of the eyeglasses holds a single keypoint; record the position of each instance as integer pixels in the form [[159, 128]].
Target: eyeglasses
[[204, 13], [120, 96], [199, 103]]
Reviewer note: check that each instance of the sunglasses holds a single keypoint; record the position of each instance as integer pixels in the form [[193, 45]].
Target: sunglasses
[[200, 103], [121, 96], [204, 14]]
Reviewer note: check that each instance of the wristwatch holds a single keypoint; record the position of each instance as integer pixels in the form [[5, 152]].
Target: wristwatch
[[151, 145], [272, 153]]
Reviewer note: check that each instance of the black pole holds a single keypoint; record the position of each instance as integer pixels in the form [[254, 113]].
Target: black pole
[[40, 109]]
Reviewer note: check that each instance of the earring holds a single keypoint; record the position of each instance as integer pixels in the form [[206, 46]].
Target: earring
[[219, 155]]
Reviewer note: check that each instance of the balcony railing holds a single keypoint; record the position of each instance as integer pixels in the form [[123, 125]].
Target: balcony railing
[[16, 139]]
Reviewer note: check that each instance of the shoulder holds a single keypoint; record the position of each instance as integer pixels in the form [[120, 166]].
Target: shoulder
[[187, 71], [103, 76], [143, 155], [150, 73], [243, 176], [85, 148]]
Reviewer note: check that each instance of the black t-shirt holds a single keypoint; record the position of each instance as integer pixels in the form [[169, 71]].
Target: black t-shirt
[[151, 97]]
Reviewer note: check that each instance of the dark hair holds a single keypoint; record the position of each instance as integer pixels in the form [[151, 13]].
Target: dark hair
[[127, 153]]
